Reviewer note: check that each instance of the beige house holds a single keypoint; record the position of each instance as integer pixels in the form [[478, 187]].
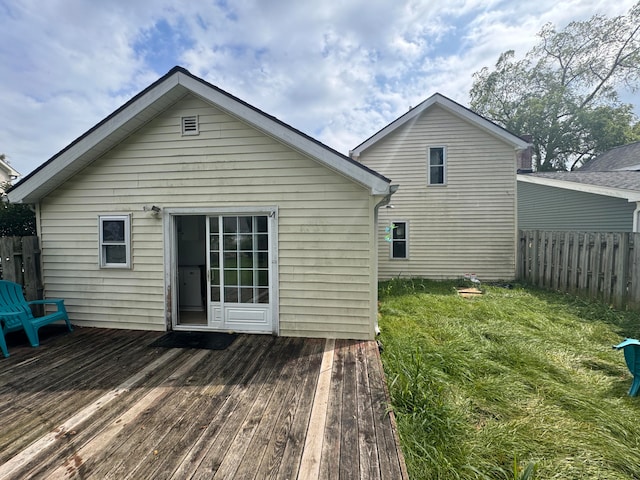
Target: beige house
[[455, 210], [189, 209]]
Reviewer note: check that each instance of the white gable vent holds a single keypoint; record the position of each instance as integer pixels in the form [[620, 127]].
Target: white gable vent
[[190, 125]]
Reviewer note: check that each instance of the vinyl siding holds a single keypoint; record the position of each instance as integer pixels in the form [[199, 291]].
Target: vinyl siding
[[541, 207], [325, 232], [466, 226]]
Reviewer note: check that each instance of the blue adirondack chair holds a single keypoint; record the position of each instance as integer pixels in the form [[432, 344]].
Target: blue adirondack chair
[[15, 314], [632, 357]]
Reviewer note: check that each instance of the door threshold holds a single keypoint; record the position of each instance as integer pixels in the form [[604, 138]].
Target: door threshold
[[199, 328]]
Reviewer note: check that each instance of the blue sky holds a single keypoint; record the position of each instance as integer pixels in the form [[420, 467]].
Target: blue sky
[[337, 70]]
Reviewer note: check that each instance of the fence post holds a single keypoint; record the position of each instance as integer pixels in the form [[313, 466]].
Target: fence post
[[520, 253], [31, 265], [527, 268]]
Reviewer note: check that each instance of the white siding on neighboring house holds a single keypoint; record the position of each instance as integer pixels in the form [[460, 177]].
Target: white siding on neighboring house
[[325, 238], [465, 226], [7, 174]]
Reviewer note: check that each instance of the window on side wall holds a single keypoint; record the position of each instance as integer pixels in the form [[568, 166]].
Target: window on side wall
[[400, 240], [115, 241], [437, 171]]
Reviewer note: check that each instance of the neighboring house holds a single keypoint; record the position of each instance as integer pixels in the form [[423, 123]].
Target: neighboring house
[[455, 210], [602, 196], [188, 208], [7, 174]]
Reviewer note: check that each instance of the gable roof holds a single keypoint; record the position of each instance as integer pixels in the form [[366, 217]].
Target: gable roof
[[154, 100], [452, 107], [625, 157]]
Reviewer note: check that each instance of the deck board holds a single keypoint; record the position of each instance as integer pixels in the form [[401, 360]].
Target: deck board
[[102, 404]]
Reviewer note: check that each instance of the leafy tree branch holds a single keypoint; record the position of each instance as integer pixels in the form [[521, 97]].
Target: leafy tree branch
[[564, 92]]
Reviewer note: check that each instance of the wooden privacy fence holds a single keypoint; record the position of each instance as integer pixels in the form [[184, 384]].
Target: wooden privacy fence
[[604, 266], [20, 261]]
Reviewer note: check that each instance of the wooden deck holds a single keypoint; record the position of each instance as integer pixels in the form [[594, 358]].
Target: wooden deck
[[103, 404]]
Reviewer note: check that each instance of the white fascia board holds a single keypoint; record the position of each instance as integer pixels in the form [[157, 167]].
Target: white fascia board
[[258, 120], [67, 162], [458, 110], [630, 195]]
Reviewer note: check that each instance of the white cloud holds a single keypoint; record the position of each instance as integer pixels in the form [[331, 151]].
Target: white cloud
[[336, 70]]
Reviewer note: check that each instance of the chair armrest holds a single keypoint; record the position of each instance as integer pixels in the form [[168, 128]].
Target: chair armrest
[[57, 301], [626, 343]]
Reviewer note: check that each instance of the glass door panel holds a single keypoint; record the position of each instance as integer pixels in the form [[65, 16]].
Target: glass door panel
[[239, 272]]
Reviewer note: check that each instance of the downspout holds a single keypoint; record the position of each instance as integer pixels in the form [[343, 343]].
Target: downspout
[[382, 203], [636, 218]]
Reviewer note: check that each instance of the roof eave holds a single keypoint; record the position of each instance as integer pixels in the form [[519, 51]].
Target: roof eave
[[630, 195], [438, 99], [95, 142], [155, 99]]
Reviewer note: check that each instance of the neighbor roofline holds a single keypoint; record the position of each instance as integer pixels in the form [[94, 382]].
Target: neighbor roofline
[[630, 195], [496, 130], [12, 172], [25, 190]]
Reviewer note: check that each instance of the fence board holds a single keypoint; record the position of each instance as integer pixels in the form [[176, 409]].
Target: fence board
[[20, 261], [600, 265], [563, 278], [584, 263], [535, 267], [574, 263], [607, 266], [594, 264], [621, 271]]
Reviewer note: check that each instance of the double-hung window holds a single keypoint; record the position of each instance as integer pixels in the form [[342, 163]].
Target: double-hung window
[[399, 240], [115, 241], [437, 171]]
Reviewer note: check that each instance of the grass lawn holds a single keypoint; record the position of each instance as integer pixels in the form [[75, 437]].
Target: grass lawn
[[516, 376]]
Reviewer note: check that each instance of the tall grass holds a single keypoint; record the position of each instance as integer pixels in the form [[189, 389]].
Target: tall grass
[[516, 375]]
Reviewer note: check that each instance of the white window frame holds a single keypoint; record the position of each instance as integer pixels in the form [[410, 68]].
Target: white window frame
[[444, 166], [127, 241], [406, 240]]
